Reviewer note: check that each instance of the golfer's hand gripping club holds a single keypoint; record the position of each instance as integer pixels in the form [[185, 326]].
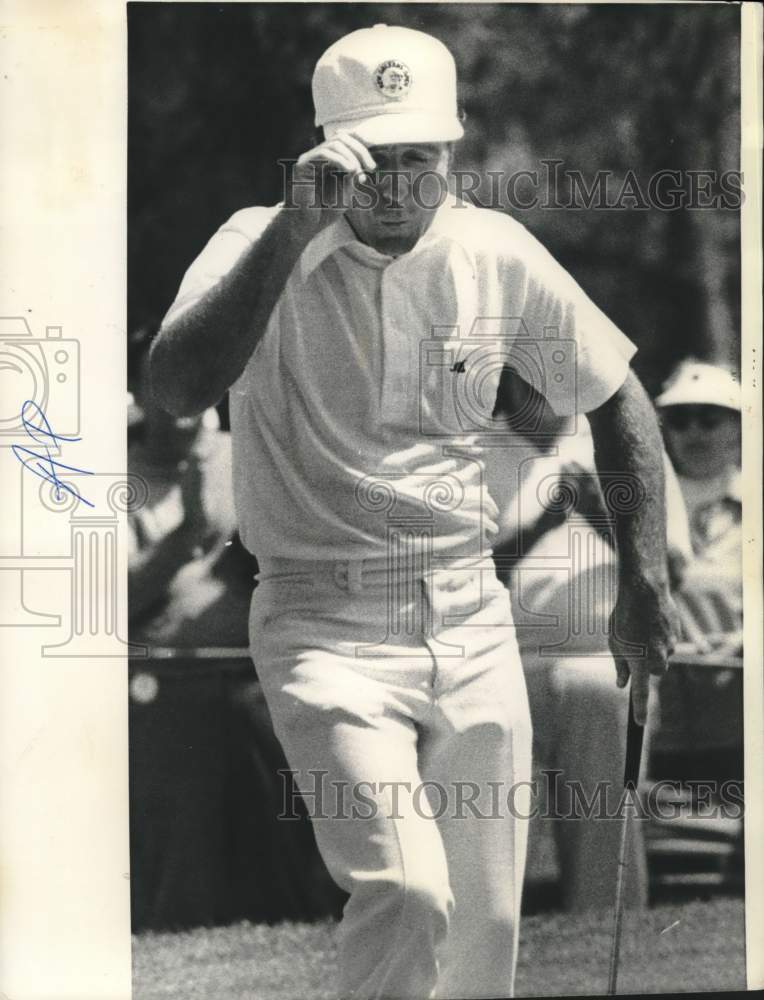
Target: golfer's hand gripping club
[[646, 620]]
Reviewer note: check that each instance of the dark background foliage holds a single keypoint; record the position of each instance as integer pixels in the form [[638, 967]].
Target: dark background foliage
[[220, 92]]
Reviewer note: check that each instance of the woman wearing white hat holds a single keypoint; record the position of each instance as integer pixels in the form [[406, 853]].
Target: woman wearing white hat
[[700, 413]]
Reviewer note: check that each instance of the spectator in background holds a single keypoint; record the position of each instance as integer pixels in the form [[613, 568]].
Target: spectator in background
[[205, 846], [557, 557], [699, 409], [189, 578]]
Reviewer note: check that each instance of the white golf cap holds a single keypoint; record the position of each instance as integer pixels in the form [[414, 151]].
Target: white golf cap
[[697, 383], [388, 85]]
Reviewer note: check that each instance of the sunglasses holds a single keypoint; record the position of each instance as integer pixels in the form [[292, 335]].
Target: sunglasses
[[681, 418]]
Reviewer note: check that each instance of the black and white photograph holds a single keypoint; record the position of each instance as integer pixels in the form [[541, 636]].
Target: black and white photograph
[[416, 586], [450, 295]]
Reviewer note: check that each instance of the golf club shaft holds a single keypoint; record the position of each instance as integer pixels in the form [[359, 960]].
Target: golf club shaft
[[615, 950], [634, 740]]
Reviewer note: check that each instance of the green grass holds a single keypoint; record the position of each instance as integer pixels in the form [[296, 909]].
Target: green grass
[[685, 947]]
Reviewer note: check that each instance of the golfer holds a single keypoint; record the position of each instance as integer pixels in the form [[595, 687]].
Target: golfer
[[361, 328]]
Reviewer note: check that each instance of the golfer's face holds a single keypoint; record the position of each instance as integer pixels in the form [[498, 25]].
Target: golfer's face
[[404, 193]]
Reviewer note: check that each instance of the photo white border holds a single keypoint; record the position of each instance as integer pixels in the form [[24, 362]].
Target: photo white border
[[752, 51]]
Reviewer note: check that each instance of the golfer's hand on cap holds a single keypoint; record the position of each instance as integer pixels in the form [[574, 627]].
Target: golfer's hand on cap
[[326, 176], [644, 615]]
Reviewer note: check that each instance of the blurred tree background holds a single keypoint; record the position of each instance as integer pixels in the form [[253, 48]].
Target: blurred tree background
[[219, 92]]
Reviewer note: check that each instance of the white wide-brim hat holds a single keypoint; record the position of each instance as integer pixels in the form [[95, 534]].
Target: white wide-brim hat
[[387, 85], [698, 383]]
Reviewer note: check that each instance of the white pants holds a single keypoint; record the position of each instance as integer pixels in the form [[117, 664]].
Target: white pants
[[386, 688]]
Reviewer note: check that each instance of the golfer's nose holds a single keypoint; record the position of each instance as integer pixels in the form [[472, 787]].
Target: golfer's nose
[[392, 187]]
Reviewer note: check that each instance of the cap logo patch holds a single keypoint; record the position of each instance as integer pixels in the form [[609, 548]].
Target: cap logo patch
[[393, 78]]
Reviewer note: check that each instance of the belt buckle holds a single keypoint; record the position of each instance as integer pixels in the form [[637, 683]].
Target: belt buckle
[[348, 574], [355, 575]]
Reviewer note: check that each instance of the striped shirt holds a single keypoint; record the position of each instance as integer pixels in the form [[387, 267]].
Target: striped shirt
[[368, 402]]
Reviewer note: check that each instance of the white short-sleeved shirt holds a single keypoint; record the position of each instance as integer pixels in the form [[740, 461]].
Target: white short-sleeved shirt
[[366, 406]]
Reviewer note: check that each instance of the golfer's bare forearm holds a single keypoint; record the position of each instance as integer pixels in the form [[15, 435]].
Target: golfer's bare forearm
[[627, 441], [197, 357]]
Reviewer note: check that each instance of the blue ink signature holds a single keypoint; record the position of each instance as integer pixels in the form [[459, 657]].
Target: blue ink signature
[[44, 466]]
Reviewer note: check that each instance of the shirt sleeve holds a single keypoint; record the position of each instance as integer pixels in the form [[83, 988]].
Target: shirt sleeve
[[219, 256], [567, 349]]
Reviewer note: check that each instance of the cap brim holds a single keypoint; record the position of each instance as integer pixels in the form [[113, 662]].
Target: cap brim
[[691, 396], [409, 126]]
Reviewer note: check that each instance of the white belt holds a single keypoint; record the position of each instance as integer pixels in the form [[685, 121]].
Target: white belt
[[356, 575], [353, 575]]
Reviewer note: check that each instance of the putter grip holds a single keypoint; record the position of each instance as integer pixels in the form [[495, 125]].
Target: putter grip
[[634, 738]]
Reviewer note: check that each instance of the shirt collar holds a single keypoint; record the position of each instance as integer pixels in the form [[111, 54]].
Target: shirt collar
[[329, 240], [340, 234]]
